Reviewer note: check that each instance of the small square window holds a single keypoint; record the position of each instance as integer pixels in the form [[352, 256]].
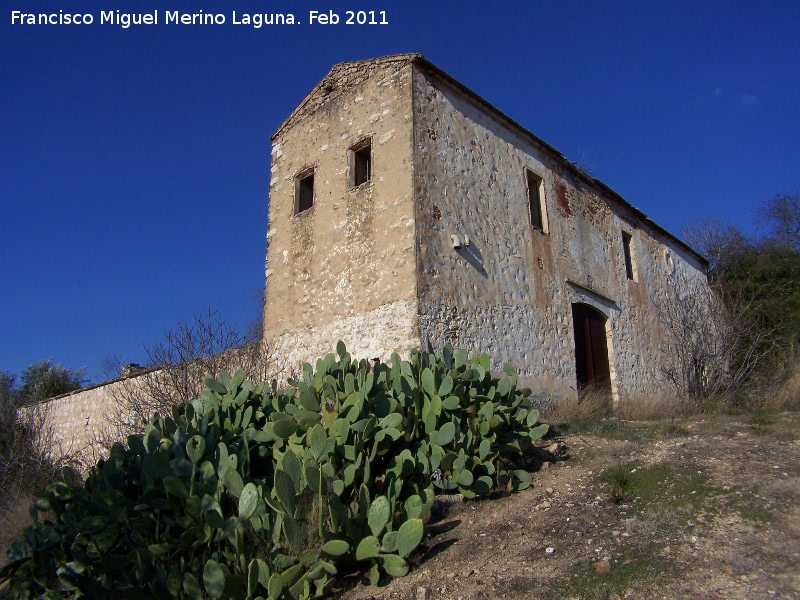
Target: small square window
[[535, 205], [304, 191], [361, 163], [628, 251]]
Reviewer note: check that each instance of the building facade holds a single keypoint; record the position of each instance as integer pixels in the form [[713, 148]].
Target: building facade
[[405, 210]]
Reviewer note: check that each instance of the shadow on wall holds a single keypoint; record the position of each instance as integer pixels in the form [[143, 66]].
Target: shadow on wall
[[472, 254]]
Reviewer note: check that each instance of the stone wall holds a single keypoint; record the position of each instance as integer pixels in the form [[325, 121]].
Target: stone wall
[[77, 419], [345, 268], [509, 292]]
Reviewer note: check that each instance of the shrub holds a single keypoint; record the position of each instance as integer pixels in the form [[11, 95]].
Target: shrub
[[264, 491]]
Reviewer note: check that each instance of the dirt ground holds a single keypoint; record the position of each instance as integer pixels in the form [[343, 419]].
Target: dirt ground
[[703, 508]]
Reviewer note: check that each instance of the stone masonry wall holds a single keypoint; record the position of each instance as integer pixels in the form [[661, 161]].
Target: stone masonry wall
[[345, 268], [510, 291]]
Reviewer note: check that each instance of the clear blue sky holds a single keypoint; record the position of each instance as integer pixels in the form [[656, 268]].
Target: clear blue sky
[[134, 163]]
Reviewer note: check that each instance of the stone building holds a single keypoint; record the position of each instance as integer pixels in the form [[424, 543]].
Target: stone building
[[404, 210]]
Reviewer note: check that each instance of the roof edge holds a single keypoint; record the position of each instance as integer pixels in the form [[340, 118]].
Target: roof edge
[[448, 79]]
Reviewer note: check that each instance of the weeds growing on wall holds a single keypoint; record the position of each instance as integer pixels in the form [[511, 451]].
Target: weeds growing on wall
[[259, 491]]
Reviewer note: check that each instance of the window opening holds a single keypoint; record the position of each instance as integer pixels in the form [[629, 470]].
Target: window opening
[[304, 192], [361, 163], [626, 248], [534, 183]]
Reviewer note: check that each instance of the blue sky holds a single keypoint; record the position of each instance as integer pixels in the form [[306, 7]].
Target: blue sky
[[134, 163]]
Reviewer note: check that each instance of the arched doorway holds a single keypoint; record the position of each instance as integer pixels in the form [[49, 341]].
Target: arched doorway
[[591, 352]]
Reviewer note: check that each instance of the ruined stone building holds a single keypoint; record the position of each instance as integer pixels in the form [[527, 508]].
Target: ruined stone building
[[404, 210]]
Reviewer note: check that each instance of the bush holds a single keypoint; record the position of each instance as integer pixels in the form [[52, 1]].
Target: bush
[[264, 491]]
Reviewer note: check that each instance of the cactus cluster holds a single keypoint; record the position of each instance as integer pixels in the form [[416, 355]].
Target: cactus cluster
[[267, 492]]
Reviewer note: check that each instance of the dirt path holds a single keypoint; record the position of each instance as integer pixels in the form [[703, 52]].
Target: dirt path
[[704, 509]]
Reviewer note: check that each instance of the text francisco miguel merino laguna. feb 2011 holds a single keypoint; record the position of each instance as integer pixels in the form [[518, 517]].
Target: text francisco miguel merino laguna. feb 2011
[[176, 17]]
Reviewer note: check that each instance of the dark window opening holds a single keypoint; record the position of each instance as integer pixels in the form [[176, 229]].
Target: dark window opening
[[626, 248], [304, 192], [361, 163], [535, 200]]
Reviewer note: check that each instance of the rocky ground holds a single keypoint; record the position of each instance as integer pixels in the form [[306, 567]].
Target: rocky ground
[[704, 508]]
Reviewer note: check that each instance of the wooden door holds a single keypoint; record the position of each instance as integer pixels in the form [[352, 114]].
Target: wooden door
[[591, 350]]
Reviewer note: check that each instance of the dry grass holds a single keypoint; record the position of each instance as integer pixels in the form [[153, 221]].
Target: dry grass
[[649, 408], [593, 405]]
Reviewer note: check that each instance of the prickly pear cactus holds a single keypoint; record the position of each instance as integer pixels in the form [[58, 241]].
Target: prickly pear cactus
[[260, 491]]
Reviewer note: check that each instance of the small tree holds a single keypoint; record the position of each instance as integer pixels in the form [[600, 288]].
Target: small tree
[[715, 344], [44, 380], [782, 213], [176, 367]]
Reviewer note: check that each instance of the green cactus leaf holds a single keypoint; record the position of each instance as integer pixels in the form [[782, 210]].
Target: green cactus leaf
[[258, 435], [151, 439], [191, 586], [532, 417], [180, 467], [336, 547], [233, 481], [341, 349], [482, 485], [293, 533], [392, 433], [248, 501], [484, 448], [446, 434], [503, 386], [414, 506], [337, 511], [176, 486], [392, 421], [196, 448], [257, 575], [523, 475], [308, 400], [215, 386], [275, 587], [428, 382], [369, 547], [340, 430], [539, 431], [246, 417], [409, 536], [284, 428], [317, 439], [461, 358], [465, 478], [212, 512], [286, 491], [446, 386], [214, 579], [389, 542], [291, 464], [349, 474], [394, 565], [451, 403], [379, 513]]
